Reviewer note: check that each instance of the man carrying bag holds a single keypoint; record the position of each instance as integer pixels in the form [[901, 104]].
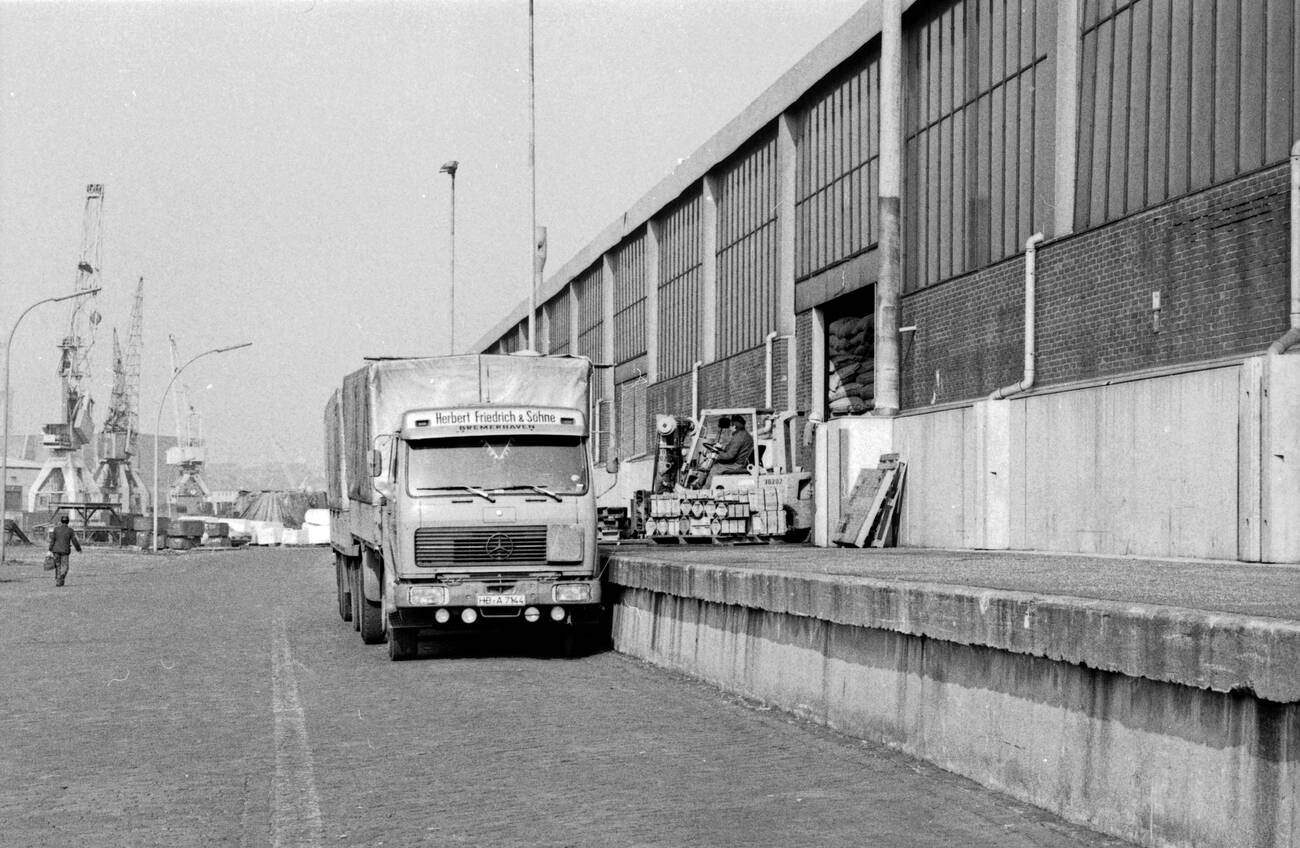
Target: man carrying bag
[[62, 541]]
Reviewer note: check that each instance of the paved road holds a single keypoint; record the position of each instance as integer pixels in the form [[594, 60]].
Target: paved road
[[216, 699]]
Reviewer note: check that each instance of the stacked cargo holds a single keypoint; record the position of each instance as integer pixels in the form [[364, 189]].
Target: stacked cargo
[[217, 534], [717, 515], [849, 365], [184, 534]]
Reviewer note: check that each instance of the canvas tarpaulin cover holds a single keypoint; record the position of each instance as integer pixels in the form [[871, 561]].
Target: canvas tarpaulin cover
[[375, 397]]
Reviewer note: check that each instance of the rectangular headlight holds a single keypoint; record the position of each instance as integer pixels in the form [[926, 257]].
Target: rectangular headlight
[[564, 543], [427, 596], [568, 593]]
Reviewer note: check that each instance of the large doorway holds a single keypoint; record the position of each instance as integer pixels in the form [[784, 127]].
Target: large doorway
[[850, 354]]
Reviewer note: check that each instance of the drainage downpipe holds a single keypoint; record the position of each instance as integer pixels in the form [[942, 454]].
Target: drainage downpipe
[[695, 390], [1028, 380], [1292, 336], [767, 345]]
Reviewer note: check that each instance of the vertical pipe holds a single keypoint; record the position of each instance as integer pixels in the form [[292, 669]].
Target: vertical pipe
[[695, 390], [889, 285], [452, 296], [1031, 297], [532, 176]]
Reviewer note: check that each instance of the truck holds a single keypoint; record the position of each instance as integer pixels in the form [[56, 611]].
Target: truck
[[460, 496]]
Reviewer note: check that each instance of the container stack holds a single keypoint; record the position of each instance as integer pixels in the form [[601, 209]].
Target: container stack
[[185, 534], [217, 534]]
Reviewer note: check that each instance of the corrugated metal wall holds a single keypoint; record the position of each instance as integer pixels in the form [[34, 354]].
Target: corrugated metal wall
[[838, 170], [680, 286], [629, 299], [980, 84], [557, 318], [1177, 95], [588, 288], [747, 248]]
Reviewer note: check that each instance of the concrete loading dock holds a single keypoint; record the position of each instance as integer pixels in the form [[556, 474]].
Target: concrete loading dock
[[1154, 700]]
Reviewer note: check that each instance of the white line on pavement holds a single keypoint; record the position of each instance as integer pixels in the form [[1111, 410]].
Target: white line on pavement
[[295, 807]]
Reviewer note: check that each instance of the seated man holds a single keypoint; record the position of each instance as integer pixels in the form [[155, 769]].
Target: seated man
[[736, 453]]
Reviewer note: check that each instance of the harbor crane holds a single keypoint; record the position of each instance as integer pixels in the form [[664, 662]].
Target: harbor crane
[[64, 476], [189, 494], [116, 476]]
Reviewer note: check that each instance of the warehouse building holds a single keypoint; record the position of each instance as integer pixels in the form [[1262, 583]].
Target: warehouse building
[[1040, 249]]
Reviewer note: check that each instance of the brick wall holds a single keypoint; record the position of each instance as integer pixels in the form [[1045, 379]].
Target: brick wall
[[1218, 259]]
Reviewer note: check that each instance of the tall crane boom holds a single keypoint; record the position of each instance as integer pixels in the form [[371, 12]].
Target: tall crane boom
[[116, 476], [189, 492], [63, 476]]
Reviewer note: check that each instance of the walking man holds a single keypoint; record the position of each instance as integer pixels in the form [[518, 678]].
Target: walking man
[[62, 541]]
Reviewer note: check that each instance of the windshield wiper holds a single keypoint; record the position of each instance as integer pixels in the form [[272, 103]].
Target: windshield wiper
[[541, 490], [475, 490]]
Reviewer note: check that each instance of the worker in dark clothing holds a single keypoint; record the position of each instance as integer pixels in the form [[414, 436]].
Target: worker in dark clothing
[[62, 541], [738, 451]]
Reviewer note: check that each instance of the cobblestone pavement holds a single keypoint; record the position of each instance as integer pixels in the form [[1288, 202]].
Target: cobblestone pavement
[[216, 699]]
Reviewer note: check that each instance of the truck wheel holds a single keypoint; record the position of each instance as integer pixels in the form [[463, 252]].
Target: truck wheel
[[372, 620], [343, 586], [403, 644], [354, 580]]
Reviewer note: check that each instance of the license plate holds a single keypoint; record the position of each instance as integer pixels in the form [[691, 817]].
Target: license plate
[[501, 600]]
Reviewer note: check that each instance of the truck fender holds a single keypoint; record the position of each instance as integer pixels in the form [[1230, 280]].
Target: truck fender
[[372, 569]]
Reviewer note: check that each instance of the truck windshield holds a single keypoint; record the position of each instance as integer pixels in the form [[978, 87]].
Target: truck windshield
[[552, 464]]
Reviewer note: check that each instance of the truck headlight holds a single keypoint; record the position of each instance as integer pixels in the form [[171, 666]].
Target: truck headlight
[[564, 543], [568, 593], [427, 596]]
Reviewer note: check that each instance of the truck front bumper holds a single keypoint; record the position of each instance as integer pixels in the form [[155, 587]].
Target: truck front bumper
[[477, 603]]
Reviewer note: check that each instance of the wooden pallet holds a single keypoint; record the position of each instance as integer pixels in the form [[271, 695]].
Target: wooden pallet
[[869, 510]]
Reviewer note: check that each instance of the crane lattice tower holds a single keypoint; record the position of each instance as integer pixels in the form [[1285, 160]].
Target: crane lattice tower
[[189, 493], [117, 477], [64, 476]]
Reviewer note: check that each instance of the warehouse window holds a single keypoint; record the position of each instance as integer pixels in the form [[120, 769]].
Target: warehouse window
[[681, 281], [557, 322], [588, 289], [978, 146], [629, 299], [747, 256], [633, 426], [838, 171], [1177, 95]]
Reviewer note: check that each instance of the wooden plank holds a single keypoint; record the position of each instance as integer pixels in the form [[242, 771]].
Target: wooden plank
[[877, 504], [883, 534], [857, 507]]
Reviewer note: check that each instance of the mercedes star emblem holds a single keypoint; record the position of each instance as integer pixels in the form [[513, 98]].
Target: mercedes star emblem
[[499, 546]]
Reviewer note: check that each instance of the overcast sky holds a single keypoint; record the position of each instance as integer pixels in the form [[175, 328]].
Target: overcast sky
[[271, 170]]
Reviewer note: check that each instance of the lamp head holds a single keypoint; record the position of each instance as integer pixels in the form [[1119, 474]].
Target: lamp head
[[449, 168]]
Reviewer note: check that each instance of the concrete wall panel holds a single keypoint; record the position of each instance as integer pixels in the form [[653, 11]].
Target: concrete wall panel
[[935, 448], [1147, 467], [1158, 763]]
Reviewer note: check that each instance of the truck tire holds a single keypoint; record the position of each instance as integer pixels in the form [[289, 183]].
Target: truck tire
[[343, 587], [354, 585], [371, 615], [403, 644]]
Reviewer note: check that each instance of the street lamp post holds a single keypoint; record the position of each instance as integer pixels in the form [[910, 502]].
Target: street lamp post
[[158, 426], [450, 168], [4, 446]]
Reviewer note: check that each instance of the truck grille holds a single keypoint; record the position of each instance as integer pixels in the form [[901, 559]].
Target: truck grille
[[480, 546]]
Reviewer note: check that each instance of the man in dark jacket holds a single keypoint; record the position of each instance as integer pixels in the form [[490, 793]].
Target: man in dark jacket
[[62, 541], [737, 452]]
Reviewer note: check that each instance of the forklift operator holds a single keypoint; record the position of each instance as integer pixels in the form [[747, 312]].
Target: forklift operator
[[737, 452]]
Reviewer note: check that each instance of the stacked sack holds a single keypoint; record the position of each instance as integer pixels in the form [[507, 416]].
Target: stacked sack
[[849, 365]]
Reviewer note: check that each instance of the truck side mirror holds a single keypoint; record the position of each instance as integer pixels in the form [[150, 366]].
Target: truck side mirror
[[376, 463], [611, 465]]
